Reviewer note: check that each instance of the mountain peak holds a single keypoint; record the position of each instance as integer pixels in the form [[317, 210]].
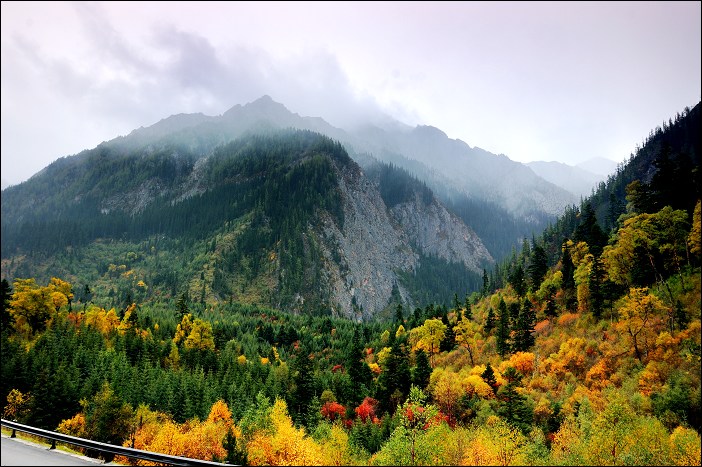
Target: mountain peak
[[264, 106]]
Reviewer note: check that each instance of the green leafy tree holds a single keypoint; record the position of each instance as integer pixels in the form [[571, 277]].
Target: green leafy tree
[[415, 415]]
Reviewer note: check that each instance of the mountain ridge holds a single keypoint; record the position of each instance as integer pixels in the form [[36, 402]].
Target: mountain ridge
[[303, 227]]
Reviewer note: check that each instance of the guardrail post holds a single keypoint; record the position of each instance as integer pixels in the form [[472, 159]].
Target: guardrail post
[[53, 444], [14, 434]]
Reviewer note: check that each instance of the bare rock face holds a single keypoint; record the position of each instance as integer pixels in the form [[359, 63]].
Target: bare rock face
[[437, 232], [363, 257]]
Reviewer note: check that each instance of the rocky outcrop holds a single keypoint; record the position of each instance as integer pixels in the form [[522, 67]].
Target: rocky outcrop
[[363, 257], [436, 232]]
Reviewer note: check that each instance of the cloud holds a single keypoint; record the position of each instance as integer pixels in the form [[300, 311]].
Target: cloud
[[122, 80]]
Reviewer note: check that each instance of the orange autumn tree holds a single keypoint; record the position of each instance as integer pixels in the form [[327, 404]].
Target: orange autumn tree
[[157, 432]]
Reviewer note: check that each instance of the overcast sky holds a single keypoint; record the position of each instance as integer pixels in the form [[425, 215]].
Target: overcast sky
[[535, 81]]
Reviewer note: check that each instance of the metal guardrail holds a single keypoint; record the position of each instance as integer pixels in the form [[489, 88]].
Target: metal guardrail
[[104, 447]]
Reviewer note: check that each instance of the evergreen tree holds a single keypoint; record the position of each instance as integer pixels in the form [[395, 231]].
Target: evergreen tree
[[422, 370], [503, 344], [468, 313], [399, 317], [595, 285], [395, 380], [236, 450], [512, 315], [513, 406], [358, 370], [589, 231], [516, 278], [524, 337], [538, 266], [448, 343], [489, 377], [456, 303], [486, 284], [681, 318], [182, 307], [568, 271], [5, 296], [303, 385], [489, 321]]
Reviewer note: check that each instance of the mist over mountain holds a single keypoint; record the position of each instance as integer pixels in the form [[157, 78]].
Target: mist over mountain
[[415, 204], [599, 165], [578, 181], [452, 169]]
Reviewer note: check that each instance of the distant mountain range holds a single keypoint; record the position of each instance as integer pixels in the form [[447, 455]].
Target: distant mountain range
[[577, 180], [263, 205]]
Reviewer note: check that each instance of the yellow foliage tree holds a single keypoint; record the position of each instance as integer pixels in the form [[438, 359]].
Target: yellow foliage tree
[[495, 443], [283, 444], [685, 444], [201, 336], [74, 426], [183, 329], [17, 405], [469, 335], [104, 321], [428, 336], [220, 413], [641, 318], [447, 388], [32, 306]]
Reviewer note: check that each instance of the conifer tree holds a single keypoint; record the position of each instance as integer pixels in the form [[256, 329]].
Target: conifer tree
[[513, 406], [489, 377], [523, 337], [489, 321], [468, 313], [503, 344], [422, 370]]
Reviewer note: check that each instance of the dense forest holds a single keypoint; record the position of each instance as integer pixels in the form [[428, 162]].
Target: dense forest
[[582, 349]]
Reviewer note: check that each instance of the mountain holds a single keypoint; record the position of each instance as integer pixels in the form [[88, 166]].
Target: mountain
[[472, 171], [149, 187], [449, 167], [575, 180], [279, 217]]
